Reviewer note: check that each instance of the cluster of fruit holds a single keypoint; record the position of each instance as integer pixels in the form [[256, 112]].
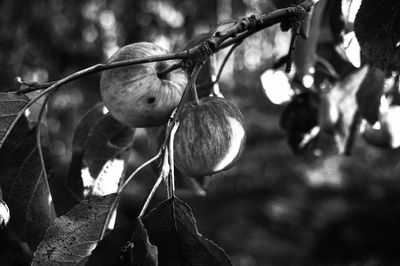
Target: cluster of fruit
[[210, 136]]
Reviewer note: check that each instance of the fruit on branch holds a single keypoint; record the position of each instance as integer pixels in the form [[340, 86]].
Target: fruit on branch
[[210, 137], [136, 95], [386, 132]]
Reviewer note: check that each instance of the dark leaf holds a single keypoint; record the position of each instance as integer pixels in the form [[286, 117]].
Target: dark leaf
[[10, 105], [377, 27], [107, 139], [73, 236], [144, 253], [126, 245], [369, 94], [27, 193], [13, 252], [17, 134], [172, 228], [89, 119]]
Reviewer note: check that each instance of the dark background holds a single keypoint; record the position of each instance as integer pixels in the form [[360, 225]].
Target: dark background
[[273, 207]]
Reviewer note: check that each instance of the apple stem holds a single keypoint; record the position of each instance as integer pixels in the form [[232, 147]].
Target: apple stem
[[163, 72], [190, 93]]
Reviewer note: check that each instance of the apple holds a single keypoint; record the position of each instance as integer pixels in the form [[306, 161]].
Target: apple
[[210, 137], [136, 95], [386, 132]]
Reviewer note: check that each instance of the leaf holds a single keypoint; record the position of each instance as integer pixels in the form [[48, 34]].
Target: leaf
[[107, 139], [343, 95], [27, 193], [172, 228], [17, 135], [369, 94], [73, 236], [123, 243], [108, 179], [377, 27], [10, 105], [89, 119]]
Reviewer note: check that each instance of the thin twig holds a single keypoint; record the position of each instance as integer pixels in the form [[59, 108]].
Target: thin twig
[[190, 92], [269, 19], [119, 192], [39, 145], [151, 195], [228, 55], [169, 69], [295, 33], [171, 177]]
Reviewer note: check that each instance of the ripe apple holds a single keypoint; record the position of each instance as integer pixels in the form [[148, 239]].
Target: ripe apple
[[210, 137], [386, 133], [135, 95]]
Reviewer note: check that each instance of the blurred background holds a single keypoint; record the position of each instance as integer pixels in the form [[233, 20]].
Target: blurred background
[[273, 207]]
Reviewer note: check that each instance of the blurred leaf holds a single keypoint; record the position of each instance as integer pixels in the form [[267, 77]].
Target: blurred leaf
[[89, 119], [343, 94], [299, 120], [172, 228], [10, 105], [106, 139], [369, 94], [126, 245], [377, 27], [73, 236], [27, 192], [276, 86]]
